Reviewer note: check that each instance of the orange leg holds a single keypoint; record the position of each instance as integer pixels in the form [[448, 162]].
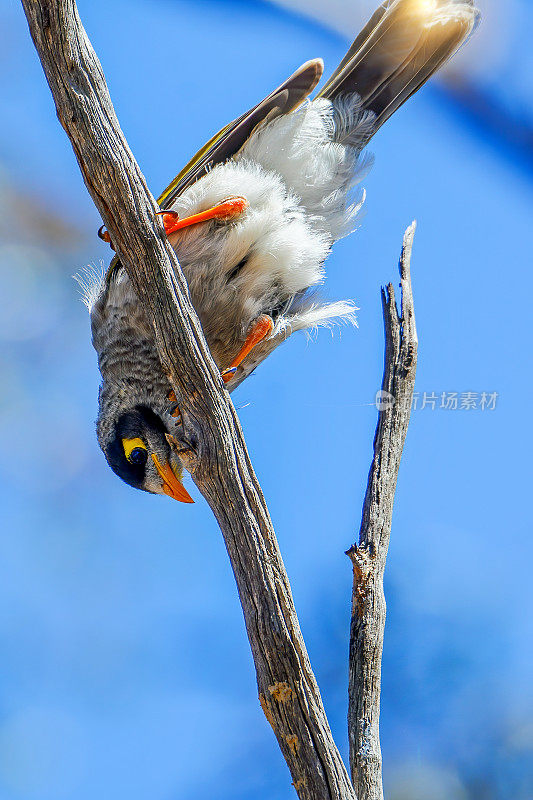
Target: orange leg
[[224, 212], [230, 208], [261, 327]]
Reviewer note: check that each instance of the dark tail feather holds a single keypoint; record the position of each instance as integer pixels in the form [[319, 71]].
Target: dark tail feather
[[401, 46]]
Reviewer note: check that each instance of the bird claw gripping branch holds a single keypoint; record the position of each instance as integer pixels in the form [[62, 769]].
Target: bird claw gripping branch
[[223, 212]]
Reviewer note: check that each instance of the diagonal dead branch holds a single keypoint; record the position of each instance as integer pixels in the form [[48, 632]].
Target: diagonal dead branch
[[369, 556], [213, 440]]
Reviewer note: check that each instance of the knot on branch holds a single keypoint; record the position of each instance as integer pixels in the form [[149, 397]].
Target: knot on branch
[[45, 18], [409, 358], [362, 560], [294, 744], [281, 691]]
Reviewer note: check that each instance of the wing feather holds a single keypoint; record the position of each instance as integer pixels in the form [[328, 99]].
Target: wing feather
[[231, 138]]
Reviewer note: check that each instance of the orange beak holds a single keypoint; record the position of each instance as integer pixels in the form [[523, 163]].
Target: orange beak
[[171, 485]]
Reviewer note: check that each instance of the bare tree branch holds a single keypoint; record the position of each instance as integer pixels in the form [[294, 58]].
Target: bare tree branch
[[213, 448], [369, 556]]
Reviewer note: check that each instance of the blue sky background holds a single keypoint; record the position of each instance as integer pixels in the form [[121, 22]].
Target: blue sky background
[[125, 671]]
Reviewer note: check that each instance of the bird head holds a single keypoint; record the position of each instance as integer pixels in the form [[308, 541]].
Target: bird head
[[138, 451]]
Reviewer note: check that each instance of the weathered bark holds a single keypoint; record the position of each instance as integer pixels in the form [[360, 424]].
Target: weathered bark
[[213, 448], [369, 556]]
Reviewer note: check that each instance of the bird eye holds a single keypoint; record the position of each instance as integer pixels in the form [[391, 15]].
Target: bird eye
[[135, 451], [138, 456]]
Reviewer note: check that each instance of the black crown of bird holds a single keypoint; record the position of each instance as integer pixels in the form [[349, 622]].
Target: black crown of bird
[[252, 218]]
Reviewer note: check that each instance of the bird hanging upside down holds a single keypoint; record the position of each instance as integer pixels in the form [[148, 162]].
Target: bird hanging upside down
[[252, 218]]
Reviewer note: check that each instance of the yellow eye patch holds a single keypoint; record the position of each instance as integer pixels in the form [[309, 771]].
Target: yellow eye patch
[[131, 444]]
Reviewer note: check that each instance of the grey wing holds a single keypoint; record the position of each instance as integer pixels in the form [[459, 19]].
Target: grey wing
[[227, 142]]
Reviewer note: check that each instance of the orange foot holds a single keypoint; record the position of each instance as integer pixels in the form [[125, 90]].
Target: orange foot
[[261, 328]]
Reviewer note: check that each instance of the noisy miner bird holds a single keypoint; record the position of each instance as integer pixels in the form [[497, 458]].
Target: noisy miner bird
[[252, 218]]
